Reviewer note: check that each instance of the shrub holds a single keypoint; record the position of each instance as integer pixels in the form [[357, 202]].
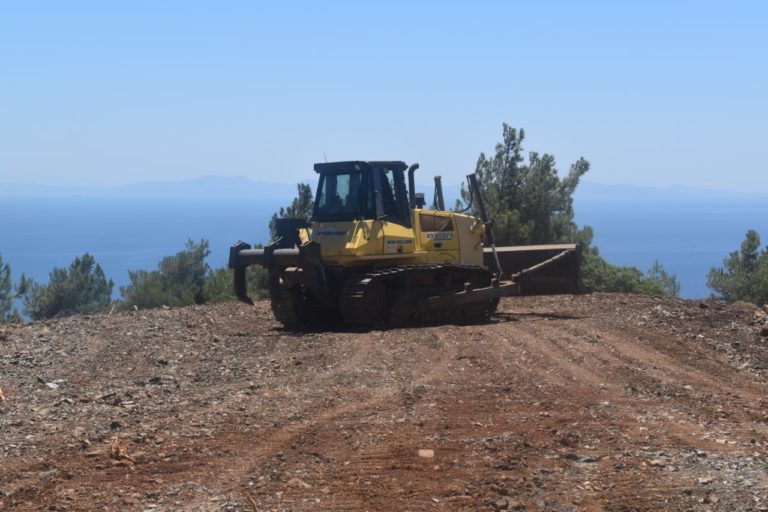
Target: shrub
[[82, 288], [219, 286], [745, 273], [7, 311], [178, 280]]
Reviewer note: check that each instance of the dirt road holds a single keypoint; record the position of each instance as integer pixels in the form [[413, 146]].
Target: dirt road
[[596, 402]]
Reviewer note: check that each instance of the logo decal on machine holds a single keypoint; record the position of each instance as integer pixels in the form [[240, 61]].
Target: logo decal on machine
[[440, 235], [329, 231], [397, 244]]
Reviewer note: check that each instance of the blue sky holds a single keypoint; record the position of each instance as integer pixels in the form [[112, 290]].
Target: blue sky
[[651, 93]]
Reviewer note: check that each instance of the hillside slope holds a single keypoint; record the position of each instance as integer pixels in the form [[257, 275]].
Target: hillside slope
[[597, 402]]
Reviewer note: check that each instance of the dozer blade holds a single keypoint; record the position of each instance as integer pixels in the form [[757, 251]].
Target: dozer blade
[[540, 269]]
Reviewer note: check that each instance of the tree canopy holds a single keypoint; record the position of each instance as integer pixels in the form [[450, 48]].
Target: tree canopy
[[81, 288], [300, 208], [529, 203], [219, 286], [7, 296], [745, 273], [178, 280]]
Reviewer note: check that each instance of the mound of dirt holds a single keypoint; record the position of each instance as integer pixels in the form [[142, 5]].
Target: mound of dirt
[[595, 402]]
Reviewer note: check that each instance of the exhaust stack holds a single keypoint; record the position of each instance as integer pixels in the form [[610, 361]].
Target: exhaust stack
[[412, 186]]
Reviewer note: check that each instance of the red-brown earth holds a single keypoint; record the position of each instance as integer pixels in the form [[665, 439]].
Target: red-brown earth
[[594, 402]]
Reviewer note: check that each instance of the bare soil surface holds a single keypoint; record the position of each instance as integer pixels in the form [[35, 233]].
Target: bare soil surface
[[595, 402]]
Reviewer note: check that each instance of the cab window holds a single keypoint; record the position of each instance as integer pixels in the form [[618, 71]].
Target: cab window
[[338, 196], [429, 222]]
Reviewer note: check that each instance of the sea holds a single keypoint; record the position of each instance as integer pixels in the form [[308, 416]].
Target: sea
[[37, 234], [687, 238]]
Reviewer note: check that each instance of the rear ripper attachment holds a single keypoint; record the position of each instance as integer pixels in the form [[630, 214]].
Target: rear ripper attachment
[[297, 283], [372, 253]]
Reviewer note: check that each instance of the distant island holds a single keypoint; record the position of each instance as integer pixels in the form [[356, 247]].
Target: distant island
[[240, 187]]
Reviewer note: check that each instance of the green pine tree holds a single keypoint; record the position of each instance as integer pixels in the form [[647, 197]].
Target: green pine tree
[[745, 273], [7, 311], [300, 208], [81, 288], [529, 203], [178, 281]]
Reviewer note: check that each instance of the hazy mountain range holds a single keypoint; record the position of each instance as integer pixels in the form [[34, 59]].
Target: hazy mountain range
[[213, 187], [239, 187]]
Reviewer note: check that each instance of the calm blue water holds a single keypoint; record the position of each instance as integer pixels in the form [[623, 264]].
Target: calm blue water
[[39, 234], [687, 238]]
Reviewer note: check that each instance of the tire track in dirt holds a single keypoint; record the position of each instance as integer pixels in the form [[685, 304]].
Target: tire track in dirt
[[249, 450], [572, 356], [628, 362], [346, 415]]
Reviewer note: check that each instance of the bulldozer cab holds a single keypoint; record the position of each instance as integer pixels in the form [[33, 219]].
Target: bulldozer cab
[[355, 190]]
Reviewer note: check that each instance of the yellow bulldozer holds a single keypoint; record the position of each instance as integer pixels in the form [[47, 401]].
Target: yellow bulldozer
[[372, 253]]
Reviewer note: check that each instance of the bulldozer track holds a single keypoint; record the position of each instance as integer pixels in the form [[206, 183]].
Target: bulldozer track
[[294, 308], [283, 305], [361, 300]]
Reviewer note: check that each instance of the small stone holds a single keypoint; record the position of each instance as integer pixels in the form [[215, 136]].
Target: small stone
[[426, 453], [51, 385], [501, 504], [45, 475], [764, 331], [657, 463], [704, 480], [297, 482]]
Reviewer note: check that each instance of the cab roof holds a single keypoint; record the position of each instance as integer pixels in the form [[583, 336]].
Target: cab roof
[[356, 166]]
